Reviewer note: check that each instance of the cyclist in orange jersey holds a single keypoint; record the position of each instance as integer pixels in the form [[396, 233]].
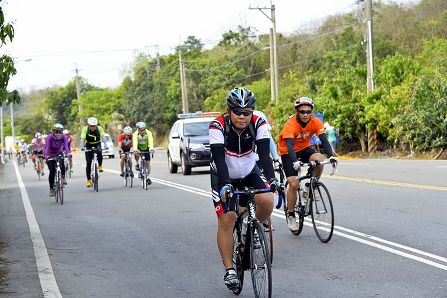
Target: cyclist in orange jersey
[[294, 146]]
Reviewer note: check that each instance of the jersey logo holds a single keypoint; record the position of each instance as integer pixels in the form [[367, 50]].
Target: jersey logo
[[301, 136]]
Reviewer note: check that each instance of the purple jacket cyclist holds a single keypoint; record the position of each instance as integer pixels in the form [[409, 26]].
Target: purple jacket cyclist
[[56, 143]]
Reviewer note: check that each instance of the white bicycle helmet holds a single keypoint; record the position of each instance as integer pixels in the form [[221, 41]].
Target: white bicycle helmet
[[92, 121], [304, 101], [141, 125], [38, 135], [127, 130], [66, 132]]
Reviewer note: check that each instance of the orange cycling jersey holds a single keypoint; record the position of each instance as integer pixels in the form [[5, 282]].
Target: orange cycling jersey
[[301, 135]]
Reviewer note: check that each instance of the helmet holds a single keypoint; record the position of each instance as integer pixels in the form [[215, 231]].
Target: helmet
[[304, 101], [38, 135], [58, 126], [66, 132], [92, 121], [241, 98], [127, 130], [141, 125]]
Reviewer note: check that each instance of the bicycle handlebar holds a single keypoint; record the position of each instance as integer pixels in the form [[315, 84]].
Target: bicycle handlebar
[[315, 163], [231, 195]]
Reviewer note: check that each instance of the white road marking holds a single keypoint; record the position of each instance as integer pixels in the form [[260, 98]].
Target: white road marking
[[367, 241], [46, 276]]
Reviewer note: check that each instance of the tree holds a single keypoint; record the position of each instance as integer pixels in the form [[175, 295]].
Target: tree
[[7, 68]]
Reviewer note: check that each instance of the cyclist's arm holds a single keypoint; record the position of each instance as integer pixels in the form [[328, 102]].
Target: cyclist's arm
[[218, 154], [150, 139], [66, 146], [326, 145], [273, 150], [135, 141], [264, 156], [83, 135], [290, 149], [47, 146], [101, 135]]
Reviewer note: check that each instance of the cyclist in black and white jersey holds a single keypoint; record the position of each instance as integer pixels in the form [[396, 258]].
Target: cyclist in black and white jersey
[[233, 138]]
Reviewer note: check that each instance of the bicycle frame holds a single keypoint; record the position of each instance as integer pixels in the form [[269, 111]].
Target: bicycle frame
[[94, 173], [58, 184]]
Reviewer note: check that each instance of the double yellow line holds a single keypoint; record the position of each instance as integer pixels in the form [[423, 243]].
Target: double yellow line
[[389, 183]]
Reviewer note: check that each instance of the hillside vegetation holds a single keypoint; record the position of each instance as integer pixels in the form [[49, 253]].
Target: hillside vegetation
[[408, 107]]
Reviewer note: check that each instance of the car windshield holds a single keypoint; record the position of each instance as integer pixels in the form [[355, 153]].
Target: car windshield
[[107, 138], [196, 129]]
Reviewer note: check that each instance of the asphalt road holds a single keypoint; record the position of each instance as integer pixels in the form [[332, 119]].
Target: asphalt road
[[390, 238]]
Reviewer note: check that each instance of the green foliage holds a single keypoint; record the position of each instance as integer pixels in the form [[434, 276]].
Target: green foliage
[[7, 68]]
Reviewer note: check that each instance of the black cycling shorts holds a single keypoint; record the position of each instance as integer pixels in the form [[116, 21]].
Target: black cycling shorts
[[255, 179], [302, 155], [146, 154]]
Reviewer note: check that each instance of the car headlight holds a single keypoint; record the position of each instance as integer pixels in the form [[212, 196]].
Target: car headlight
[[196, 146]]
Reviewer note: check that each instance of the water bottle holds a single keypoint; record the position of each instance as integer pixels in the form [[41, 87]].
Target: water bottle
[[244, 228]]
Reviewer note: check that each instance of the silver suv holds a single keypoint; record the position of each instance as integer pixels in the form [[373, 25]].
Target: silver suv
[[188, 144]]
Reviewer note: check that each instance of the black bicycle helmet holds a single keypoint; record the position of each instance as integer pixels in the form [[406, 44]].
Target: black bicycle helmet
[[241, 98]]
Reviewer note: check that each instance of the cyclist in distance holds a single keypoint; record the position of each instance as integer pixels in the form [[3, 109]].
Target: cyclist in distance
[[294, 146], [143, 143], [70, 140], [56, 144], [273, 151], [91, 137], [233, 138], [124, 145], [38, 149]]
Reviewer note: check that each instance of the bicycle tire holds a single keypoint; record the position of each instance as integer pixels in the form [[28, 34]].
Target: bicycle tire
[[260, 266], [269, 237], [238, 256], [56, 187], [95, 182], [322, 212], [299, 213], [61, 188]]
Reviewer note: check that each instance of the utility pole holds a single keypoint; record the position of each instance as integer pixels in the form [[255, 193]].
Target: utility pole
[[185, 104], [274, 76], [372, 133], [12, 122], [158, 57], [78, 95], [1, 134]]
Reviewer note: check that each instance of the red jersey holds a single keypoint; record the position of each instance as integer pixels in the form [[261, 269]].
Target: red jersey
[[126, 144]]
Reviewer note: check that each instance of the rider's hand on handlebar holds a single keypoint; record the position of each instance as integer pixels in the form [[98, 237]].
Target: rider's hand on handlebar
[[297, 165], [333, 160], [276, 165], [275, 185], [83, 148], [227, 189]]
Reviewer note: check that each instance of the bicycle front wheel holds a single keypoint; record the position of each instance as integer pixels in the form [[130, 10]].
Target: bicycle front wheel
[[237, 257], [61, 189], [260, 266], [322, 212], [269, 237], [96, 175]]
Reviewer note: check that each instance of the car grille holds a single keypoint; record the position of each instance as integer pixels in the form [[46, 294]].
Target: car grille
[[207, 146]]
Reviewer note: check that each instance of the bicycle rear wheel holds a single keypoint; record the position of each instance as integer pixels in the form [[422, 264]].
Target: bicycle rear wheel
[[260, 266], [322, 212], [237, 257]]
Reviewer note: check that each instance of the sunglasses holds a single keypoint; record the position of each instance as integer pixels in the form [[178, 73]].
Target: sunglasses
[[142, 130], [304, 112], [246, 113], [57, 131]]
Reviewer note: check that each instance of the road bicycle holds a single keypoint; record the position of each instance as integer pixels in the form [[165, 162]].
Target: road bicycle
[[128, 174], [144, 171], [58, 180], [21, 157], [39, 165], [94, 171], [318, 203], [250, 246], [68, 169]]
